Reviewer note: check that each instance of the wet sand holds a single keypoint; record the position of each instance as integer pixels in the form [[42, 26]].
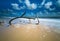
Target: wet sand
[[29, 32]]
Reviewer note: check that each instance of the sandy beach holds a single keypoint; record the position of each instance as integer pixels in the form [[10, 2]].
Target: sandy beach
[[29, 32]]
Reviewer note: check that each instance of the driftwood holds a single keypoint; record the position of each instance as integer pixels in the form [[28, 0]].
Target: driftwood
[[16, 18], [21, 17], [1, 23]]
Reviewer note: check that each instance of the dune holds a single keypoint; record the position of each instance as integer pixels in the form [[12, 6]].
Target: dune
[[29, 32]]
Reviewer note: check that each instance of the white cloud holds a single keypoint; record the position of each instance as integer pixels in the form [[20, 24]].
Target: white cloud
[[22, 7], [58, 2], [43, 2], [29, 5], [39, 12], [17, 7], [48, 4], [51, 9], [27, 2], [20, 1], [33, 6], [46, 12], [10, 10]]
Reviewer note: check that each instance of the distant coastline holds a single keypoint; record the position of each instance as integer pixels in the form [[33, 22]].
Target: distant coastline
[[32, 17]]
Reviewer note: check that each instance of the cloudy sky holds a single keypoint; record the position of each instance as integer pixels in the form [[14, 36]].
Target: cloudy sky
[[42, 8]]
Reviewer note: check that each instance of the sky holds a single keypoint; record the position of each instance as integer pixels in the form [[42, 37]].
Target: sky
[[42, 8]]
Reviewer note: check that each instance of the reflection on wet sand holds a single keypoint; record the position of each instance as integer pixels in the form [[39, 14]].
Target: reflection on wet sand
[[29, 32]]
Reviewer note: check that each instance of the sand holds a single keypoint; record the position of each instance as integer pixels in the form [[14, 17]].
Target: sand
[[29, 32]]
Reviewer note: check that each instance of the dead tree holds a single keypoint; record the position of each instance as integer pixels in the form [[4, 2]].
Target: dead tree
[[16, 18], [37, 19]]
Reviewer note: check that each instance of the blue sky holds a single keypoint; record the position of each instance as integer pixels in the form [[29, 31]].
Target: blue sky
[[44, 8]]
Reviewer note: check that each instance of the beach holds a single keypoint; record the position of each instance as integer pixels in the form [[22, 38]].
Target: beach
[[29, 32], [44, 31]]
